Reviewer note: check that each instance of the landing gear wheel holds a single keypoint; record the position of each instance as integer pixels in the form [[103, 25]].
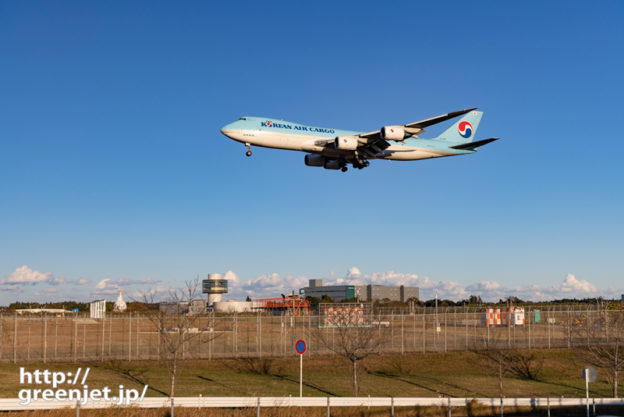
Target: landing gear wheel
[[248, 153], [344, 169], [248, 146], [365, 164]]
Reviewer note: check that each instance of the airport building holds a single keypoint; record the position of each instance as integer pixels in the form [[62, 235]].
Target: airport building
[[369, 292]]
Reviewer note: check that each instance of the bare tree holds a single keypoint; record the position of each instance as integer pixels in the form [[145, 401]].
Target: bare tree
[[502, 362], [604, 344], [177, 325], [497, 364], [353, 338]]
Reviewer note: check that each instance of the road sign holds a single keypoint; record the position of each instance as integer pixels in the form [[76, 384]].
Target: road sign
[[300, 346], [589, 374]]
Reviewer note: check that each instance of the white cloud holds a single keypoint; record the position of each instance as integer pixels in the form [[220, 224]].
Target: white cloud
[[102, 284], [25, 275], [572, 285], [272, 285], [354, 273]]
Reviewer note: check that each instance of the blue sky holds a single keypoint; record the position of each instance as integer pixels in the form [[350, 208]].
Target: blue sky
[[113, 173]]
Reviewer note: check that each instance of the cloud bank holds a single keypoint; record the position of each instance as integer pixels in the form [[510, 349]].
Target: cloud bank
[[46, 287]]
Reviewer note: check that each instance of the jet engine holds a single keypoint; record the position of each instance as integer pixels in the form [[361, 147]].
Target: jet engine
[[393, 133], [312, 160], [346, 143], [333, 164]]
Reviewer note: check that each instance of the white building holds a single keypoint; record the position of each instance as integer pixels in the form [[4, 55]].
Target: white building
[[120, 305]]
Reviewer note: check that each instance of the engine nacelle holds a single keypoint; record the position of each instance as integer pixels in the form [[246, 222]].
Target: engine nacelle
[[392, 133], [333, 164], [346, 143], [314, 160]]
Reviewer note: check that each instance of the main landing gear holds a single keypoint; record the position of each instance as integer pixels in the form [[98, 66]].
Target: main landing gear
[[361, 164], [344, 169], [248, 146]]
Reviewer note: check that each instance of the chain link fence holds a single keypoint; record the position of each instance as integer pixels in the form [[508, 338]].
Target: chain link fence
[[445, 329]]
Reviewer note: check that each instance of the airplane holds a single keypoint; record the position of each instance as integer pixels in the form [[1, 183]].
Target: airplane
[[334, 148]]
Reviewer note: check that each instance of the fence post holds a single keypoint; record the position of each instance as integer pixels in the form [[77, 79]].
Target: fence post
[[466, 326], [103, 336], [138, 351], [424, 335], [449, 406], [28, 354], [75, 339], [130, 338], [414, 328], [569, 327], [234, 331], [258, 413], [402, 334], [606, 315], [172, 412], [328, 414], [529, 320], [77, 408], [548, 405], [55, 337], [45, 338], [15, 338], [445, 332], [110, 338], [1, 335], [391, 331], [391, 406], [548, 327]]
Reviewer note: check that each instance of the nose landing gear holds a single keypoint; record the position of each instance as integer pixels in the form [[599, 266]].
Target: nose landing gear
[[248, 146]]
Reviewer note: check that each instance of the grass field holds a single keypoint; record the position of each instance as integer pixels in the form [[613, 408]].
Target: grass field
[[459, 374]]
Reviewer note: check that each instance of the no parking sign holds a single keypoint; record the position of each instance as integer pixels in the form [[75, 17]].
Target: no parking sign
[[300, 346]]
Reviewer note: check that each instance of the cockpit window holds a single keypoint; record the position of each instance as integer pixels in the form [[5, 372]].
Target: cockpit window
[[243, 118]]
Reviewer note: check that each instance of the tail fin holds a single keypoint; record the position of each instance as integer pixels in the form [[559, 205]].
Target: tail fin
[[464, 129]]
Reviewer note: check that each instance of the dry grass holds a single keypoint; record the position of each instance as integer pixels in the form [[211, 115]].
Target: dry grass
[[460, 374]]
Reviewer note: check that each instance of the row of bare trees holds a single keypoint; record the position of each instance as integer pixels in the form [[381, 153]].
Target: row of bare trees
[[356, 341]]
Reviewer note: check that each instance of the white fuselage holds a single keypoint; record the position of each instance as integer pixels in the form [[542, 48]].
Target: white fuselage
[[323, 145]]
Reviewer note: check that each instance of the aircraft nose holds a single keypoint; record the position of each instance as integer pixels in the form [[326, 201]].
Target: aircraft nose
[[227, 130]]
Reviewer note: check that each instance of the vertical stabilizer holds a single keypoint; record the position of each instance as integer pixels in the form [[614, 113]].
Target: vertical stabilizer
[[464, 130]]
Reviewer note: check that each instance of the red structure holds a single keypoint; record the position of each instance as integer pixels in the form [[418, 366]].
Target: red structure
[[293, 304]]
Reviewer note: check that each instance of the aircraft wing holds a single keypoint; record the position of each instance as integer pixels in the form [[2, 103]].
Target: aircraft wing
[[372, 143]]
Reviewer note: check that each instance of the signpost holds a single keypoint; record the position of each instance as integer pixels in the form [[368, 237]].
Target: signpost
[[300, 347], [589, 375]]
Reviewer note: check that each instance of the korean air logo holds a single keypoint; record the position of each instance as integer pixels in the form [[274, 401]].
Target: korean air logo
[[465, 129], [268, 123]]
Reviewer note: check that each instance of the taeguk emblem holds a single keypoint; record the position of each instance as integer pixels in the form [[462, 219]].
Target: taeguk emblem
[[465, 129]]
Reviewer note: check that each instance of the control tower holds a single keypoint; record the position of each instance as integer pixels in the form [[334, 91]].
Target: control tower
[[215, 285]]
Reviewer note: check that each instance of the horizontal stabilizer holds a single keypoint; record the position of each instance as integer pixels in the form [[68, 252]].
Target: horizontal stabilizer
[[474, 145]]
